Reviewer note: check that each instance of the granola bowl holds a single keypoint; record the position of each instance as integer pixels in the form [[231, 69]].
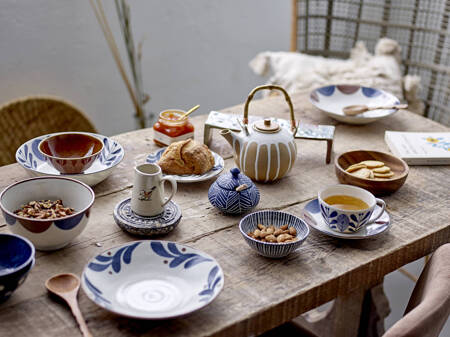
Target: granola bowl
[[49, 225]]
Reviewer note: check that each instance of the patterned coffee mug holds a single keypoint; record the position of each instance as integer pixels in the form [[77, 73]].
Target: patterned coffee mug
[[349, 221], [147, 196]]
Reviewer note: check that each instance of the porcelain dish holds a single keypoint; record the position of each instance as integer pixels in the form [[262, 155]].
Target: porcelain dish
[[31, 159], [152, 279], [277, 218], [233, 193], [147, 225], [71, 152], [16, 261], [219, 164], [48, 234], [332, 99], [313, 217]]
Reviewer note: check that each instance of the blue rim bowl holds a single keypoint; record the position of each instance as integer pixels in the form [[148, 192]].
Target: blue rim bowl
[[277, 218], [16, 260]]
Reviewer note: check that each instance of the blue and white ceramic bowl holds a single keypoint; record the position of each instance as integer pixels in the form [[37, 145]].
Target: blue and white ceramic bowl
[[347, 221], [33, 161], [233, 193], [16, 260], [152, 279], [219, 164], [277, 218], [333, 98], [48, 234]]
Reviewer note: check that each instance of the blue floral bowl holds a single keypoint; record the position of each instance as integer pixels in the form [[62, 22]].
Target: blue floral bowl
[[277, 218], [16, 260], [48, 234], [349, 221]]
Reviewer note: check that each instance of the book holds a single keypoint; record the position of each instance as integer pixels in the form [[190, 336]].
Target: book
[[420, 148]]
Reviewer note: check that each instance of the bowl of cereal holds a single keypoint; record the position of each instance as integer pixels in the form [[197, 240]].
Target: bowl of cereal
[[273, 234], [378, 172], [49, 211]]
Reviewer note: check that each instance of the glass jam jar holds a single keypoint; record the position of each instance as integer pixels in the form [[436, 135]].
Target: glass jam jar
[[169, 128]]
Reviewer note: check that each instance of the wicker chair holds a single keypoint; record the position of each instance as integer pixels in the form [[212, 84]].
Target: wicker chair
[[26, 118], [331, 28]]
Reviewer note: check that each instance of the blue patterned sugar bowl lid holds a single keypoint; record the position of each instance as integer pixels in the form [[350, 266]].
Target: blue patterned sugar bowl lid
[[233, 193], [234, 179]]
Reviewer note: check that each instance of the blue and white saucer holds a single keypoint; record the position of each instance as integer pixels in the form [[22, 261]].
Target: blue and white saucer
[[152, 279], [311, 215], [333, 98], [29, 157], [147, 225], [219, 164]]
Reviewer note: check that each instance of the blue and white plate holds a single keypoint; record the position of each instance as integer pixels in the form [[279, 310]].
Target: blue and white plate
[[147, 225], [312, 216], [333, 98], [219, 164], [152, 279], [29, 157]]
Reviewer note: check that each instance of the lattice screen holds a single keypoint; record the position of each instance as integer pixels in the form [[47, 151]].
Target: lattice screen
[[331, 28]]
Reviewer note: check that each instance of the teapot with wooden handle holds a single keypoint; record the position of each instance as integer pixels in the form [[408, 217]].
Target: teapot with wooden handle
[[264, 150]]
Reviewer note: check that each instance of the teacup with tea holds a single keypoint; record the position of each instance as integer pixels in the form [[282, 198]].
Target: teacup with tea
[[347, 208]]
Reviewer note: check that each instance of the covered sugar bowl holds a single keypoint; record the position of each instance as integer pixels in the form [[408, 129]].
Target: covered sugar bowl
[[233, 193]]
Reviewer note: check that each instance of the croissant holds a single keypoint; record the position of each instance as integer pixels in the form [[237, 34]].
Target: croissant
[[186, 157]]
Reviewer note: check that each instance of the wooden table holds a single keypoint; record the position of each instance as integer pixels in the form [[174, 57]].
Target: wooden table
[[259, 293]]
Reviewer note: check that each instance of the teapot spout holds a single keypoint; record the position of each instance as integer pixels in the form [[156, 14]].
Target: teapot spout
[[231, 138]]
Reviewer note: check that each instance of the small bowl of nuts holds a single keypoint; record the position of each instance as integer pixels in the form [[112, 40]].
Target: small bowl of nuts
[[49, 211], [273, 234]]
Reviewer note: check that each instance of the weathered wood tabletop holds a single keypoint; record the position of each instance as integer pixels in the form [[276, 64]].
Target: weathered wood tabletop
[[259, 293]]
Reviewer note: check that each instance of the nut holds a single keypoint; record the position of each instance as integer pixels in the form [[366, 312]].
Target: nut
[[273, 234], [44, 209]]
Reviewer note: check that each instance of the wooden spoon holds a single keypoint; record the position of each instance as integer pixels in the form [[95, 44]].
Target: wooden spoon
[[66, 286], [353, 110], [183, 116]]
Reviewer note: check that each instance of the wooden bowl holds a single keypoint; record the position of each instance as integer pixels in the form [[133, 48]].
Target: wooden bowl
[[377, 187]]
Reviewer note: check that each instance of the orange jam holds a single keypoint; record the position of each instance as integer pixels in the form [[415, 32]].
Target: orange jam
[[169, 128]]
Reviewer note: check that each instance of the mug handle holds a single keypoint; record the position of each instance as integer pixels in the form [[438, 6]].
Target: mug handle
[[381, 203], [173, 183]]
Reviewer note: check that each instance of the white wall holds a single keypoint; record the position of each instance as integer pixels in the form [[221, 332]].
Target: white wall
[[195, 52]]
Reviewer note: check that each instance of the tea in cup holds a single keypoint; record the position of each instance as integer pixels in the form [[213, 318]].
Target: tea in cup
[[147, 196], [347, 208]]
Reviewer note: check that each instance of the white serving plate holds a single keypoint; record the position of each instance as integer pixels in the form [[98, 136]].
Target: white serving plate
[[333, 98], [219, 164], [152, 279], [312, 216], [29, 157]]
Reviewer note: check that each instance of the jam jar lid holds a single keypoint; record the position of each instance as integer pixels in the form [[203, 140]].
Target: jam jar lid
[[234, 180]]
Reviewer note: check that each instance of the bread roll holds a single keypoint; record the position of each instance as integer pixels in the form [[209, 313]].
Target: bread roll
[[186, 157]]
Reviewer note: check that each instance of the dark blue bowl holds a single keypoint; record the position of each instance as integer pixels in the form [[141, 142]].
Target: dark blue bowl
[[16, 260]]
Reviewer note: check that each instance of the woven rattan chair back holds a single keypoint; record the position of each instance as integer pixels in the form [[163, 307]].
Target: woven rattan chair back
[[30, 117], [331, 28]]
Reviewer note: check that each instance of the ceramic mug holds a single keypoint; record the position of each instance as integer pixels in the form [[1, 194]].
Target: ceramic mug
[[349, 221], [147, 196]]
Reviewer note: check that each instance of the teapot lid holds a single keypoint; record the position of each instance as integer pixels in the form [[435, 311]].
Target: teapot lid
[[234, 180], [267, 126]]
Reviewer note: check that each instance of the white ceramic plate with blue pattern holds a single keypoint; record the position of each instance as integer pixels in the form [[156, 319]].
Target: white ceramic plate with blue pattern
[[29, 157], [333, 98], [152, 279], [313, 217], [219, 164]]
